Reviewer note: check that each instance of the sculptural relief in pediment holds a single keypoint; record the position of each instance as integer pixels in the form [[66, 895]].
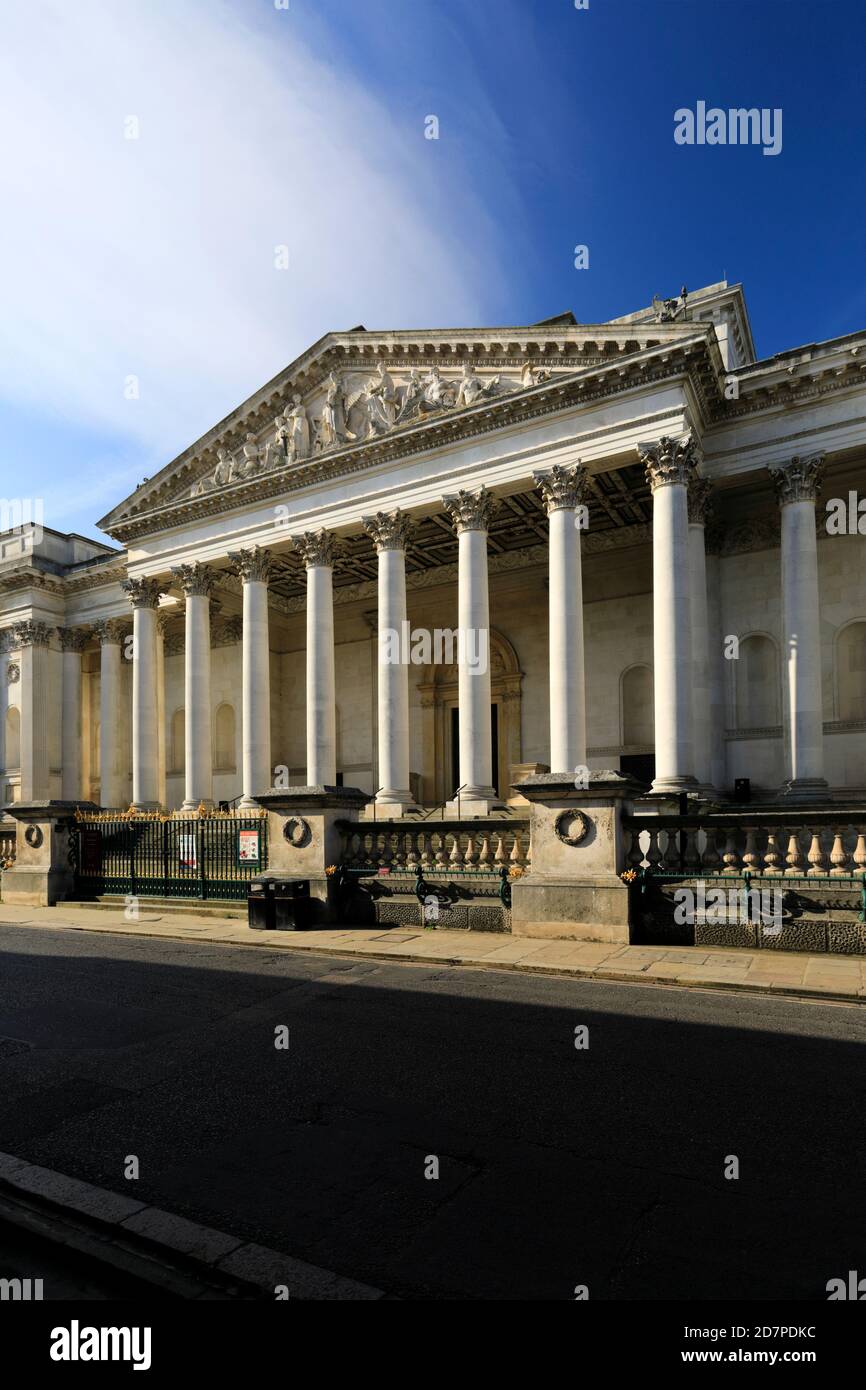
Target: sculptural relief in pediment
[[357, 406]]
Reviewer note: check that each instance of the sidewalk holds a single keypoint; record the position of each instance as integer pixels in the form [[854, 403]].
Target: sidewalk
[[765, 972]]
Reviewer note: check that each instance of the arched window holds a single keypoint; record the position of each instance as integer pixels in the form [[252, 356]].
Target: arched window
[[178, 741], [637, 707], [13, 738], [757, 669], [224, 739], [851, 671]]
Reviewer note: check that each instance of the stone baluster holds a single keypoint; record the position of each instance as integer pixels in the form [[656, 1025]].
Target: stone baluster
[[441, 855], [692, 858], [730, 854], [654, 853], [816, 856], [751, 857], [710, 859], [634, 857], [838, 855], [794, 857], [772, 856], [860, 852]]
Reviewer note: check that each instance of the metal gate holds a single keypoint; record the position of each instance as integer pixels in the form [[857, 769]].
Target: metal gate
[[158, 856]]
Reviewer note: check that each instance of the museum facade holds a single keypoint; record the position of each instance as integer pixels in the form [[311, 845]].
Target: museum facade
[[428, 564]]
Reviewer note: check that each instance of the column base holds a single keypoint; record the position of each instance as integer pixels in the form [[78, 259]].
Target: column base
[[145, 806], [390, 810], [481, 801], [672, 786], [192, 804], [806, 789]]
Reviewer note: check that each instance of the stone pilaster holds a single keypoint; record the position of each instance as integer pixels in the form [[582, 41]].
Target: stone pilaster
[[563, 490], [700, 510], [110, 633], [797, 485], [38, 706], [73, 640]]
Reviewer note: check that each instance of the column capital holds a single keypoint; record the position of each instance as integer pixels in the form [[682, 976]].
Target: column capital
[[470, 511], [31, 634], [196, 580], [670, 461], [252, 565], [74, 639], [800, 480], [316, 548], [700, 500], [109, 631], [143, 593], [562, 488], [388, 530]]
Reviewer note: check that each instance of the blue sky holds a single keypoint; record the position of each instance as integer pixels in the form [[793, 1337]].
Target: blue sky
[[260, 127]]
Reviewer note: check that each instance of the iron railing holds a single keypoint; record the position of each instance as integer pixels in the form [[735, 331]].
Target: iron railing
[[201, 856]]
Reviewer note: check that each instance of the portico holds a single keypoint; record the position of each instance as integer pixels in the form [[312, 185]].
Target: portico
[[582, 507]]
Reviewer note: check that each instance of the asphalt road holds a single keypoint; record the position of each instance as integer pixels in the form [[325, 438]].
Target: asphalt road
[[558, 1166]]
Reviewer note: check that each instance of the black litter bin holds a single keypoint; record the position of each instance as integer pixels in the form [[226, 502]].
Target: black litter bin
[[260, 904], [292, 904]]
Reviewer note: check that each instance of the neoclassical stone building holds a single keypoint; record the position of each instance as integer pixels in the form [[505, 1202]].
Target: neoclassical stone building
[[628, 521]]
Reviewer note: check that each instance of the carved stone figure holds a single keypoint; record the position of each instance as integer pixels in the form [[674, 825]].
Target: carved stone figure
[[277, 450], [381, 401], [332, 426], [472, 388], [223, 471], [252, 457], [438, 394], [533, 376], [298, 430], [411, 398]]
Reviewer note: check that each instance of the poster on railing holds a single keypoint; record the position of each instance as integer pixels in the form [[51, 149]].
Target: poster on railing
[[186, 851], [249, 847]]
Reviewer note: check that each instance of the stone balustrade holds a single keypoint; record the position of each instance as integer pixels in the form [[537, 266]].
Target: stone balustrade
[[804, 844], [448, 848]]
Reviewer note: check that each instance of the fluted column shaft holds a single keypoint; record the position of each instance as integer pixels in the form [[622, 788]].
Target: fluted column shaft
[[197, 583], [254, 567], [5, 645], [390, 532], [112, 782], [562, 489], [670, 465], [72, 642], [471, 513], [144, 594], [797, 487], [698, 504], [32, 638], [317, 548]]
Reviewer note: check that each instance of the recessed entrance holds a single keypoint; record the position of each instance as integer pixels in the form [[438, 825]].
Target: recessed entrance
[[455, 747]]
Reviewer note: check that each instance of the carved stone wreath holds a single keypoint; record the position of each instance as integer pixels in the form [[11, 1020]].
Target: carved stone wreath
[[13, 673], [571, 827], [297, 832], [33, 835]]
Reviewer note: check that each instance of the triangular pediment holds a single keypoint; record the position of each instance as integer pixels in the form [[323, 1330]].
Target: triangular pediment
[[362, 388]]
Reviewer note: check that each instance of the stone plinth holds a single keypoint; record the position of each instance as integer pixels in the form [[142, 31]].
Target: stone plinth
[[303, 840], [574, 890], [42, 873]]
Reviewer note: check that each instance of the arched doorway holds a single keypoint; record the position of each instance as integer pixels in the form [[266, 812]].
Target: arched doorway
[[438, 690]]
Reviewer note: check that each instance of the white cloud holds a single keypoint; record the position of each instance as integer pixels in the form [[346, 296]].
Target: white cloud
[[155, 257]]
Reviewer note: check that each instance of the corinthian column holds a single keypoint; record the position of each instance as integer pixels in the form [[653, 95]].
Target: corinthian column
[[36, 690], [144, 594], [197, 582], [797, 486], [5, 649], [254, 567], [318, 551], [563, 490], [73, 640], [110, 633], [699, 509], [389, 532], [471, 513], [670, 465]]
